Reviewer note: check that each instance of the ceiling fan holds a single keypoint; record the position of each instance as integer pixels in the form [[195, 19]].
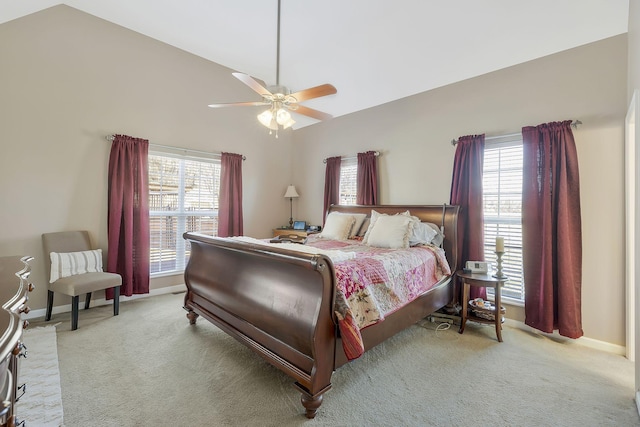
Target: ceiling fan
[[279, 98]]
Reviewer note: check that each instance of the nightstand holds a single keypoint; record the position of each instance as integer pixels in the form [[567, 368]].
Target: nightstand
[[497, 312], [288, 231]]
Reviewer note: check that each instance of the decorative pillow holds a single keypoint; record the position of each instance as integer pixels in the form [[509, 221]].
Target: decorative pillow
[[436, 240], [358, 224], [390, 231], [338, 226], [422, 234], [364, 227], [439, 237], [374, 217], [372, 222], [67, 264]]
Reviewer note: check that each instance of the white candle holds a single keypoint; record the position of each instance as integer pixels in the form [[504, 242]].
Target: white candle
[[499, 244]]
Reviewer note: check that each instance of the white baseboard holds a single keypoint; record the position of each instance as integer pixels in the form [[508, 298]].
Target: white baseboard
[[95, 303], [584, 341]]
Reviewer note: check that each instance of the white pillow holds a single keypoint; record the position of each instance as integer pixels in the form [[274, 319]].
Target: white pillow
[[67, 264], [422, 234], [338, 226], [439, 237], [390, 231], [374, 217], [364, 227], [357, 225], [435, 240], [372, 221]]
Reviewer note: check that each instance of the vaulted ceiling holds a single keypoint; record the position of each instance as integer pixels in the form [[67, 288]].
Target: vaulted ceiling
[[372, 51]]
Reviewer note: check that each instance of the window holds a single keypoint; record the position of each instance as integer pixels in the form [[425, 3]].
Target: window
[[348, 181], [502, 188], [183, 196]]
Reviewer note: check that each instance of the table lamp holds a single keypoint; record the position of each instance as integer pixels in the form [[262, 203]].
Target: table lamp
[[291, 193]]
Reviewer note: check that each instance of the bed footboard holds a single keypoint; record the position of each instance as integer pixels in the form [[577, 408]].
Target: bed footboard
[[276, 302]]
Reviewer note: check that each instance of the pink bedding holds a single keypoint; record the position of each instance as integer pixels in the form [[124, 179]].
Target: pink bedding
[[377, 282]]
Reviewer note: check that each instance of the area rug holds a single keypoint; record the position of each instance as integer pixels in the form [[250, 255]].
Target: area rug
[[41, 404]]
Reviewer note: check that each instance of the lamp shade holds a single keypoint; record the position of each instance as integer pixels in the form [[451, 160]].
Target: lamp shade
[[268, 119], [282, 116], [291, 191]]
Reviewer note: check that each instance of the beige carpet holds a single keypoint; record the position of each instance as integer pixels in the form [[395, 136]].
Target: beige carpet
[[149, 367]]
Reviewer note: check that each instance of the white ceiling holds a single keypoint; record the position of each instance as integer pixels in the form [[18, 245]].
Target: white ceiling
[[372, 51]]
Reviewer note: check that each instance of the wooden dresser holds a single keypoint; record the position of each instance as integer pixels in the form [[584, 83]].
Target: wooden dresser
[[14, 289]]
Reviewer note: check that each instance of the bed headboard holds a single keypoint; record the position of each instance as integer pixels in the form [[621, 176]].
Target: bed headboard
[[426, 213]]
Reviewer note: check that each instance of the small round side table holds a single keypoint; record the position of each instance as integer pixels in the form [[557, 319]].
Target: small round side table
[[484, 280]]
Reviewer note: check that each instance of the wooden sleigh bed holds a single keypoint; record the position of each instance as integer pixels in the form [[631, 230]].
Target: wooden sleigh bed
[[281, 303]]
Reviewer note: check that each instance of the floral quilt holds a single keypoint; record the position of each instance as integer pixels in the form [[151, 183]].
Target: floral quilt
[[377, 282]]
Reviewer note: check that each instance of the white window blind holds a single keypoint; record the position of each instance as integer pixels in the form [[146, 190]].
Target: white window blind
[[348, 181], [183, 196], [502, 188]]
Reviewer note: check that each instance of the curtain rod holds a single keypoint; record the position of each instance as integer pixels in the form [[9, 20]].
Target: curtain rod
[[574, 125], [110, 138], [375, 153]]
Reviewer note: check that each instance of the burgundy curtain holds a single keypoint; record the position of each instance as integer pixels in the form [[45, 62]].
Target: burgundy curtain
[[466, 192], [128, 214], [230, 207], [331, 184], [367, 179], [551, 229]]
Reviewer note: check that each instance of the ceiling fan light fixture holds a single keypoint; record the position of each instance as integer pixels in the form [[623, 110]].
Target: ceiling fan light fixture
[[283, 116], [288, 123], [265, 118], [274, 118]]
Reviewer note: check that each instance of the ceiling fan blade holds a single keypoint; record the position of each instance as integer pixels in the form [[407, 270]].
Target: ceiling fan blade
[[252, 83], [239, 104], [261, 82], [315, 92], [301, 109]]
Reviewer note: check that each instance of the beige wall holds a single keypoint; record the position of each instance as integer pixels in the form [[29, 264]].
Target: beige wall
[[68, 80], [414, 134]]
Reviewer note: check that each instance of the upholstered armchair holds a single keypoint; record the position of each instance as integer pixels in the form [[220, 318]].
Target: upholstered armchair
[[74, 269]]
